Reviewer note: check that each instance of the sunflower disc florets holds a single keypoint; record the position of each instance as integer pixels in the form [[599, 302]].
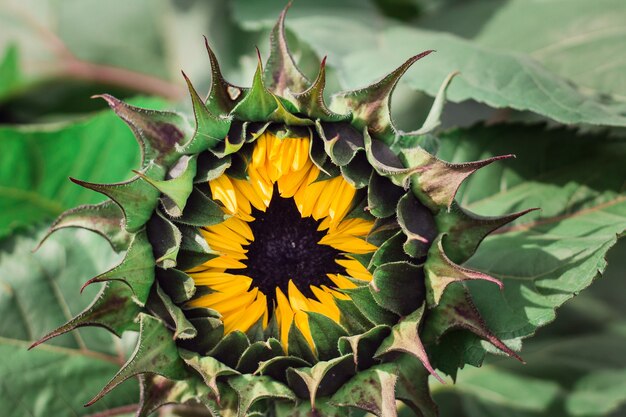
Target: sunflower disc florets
[[285, 257]]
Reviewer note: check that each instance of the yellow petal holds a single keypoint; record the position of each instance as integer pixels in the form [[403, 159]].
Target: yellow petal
[[284, 316], [341, 281], [222, 189], [355, 269]]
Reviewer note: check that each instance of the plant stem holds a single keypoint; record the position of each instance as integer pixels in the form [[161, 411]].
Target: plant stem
[[73, 67]]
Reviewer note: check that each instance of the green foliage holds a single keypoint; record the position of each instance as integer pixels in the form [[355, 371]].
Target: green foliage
[[550, 255], [37, 160], [497, 77], [10, 76], [577, 369], [37, 292], [559, 60]]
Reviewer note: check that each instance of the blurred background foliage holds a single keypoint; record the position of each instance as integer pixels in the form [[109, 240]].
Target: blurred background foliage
[[545, 79]]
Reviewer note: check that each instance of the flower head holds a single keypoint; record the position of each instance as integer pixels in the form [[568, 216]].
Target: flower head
[[283, 251]]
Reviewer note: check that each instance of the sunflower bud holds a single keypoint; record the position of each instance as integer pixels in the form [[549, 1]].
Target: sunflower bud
[[285, 255]]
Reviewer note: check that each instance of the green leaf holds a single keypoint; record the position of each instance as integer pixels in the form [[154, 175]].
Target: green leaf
[[578, 360], [577, 39], [156, 352], [363, 52], [567, 377], [39, 292], [37, 160], [501, 388], [546, 257], [10, 76]]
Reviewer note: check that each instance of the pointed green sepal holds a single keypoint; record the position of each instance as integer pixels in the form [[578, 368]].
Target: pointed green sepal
[[177, 284], [436, 182], [440, 272], [341, 141], [179, 185], [161, 305], [371, 106], [156, 353], [210, 129], [277, 367], [382, 196], [157, 391], [417, 224], [398, 286], [351, 318], [210, 167], [194, 250], [112, 309], [223, 96], [364, 301], [391, 250], [405, 338], [433, 120], [281, 72], [457, 311], [209, 369], [412, 386], [325, 333], [159, 133], [259, 103], [383, 230], [323, 379], [385, 162], [135, 197], [252, 388], [363, 346], [258, 352], [230, 348], [285, 116], [465, 230], [201, 210], [165, 239], [105, 219], [311, 101], [357, 172], [371, 390], [136, 269], [298, 346], [210, 332]]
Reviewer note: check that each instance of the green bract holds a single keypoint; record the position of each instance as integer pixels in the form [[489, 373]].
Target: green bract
[[379, 351]]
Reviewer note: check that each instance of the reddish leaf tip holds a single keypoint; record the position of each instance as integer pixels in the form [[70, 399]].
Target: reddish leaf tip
[[86, 284], [111, 101]]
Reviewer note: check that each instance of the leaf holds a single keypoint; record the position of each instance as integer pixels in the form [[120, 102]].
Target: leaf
[[36, 162], [580, 366], [39, 292], [580, 40], [547, 257], [10, 77], [367, 49], [564, 377]]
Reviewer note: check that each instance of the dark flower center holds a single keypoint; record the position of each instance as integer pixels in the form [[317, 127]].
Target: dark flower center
[[285, 247]]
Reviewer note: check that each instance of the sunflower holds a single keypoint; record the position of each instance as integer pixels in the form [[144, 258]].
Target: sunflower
[[284, 257], [288, 247]]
